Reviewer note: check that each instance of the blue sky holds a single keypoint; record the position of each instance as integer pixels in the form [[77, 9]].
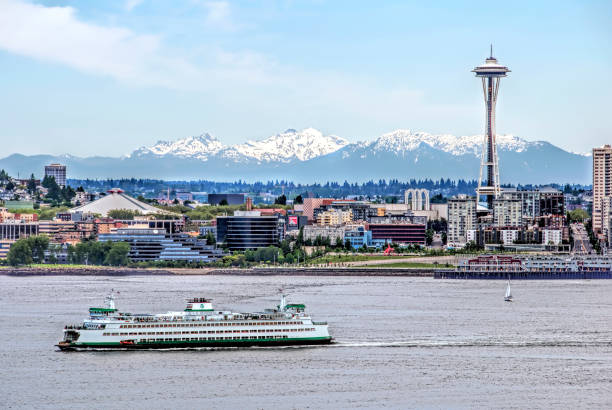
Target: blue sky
[[103, 78]]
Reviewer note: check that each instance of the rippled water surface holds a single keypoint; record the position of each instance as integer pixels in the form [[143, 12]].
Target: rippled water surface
[[401, 343]]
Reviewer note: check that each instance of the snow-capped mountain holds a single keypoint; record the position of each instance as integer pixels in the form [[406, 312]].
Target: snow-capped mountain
[[284, 147], [401, 141], [200, 147], [289, 145], [310, 156]]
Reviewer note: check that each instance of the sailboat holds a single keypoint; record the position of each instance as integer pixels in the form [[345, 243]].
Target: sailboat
[[508, 296]]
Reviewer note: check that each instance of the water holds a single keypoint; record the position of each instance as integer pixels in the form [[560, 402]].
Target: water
[[401, 343]]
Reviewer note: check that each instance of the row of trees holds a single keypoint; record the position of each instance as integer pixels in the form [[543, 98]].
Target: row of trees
[[36, 249]]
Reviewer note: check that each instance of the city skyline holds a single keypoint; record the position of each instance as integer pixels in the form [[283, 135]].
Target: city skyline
[[124, 74]]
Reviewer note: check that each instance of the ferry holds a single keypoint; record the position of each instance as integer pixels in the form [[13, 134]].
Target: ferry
[[199, 325]]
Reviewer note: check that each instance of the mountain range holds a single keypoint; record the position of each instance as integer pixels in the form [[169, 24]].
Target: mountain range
[[310, 156]]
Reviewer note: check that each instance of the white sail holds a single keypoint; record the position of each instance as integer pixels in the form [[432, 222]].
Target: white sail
[[508, 292]]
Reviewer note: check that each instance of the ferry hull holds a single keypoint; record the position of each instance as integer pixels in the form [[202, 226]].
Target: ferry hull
[[528, 275], [196, 344]]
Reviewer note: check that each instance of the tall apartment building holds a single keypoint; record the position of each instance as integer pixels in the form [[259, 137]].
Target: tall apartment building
[[602, 183], [461, 218], [58, 172], [507, 212]]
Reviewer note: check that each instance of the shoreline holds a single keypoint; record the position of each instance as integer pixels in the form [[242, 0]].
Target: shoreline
[[293, 271]]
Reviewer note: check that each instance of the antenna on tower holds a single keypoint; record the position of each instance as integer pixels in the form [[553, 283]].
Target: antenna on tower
[[491, 50]]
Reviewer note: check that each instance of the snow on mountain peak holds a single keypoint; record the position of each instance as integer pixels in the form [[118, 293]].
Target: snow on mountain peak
[[309, 143], [200, 147], [405, 140], [291, 144]]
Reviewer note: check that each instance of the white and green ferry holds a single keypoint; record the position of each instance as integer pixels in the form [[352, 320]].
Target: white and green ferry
[[199, 325]]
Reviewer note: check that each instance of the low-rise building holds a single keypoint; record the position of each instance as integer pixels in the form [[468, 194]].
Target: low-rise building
[[358, 236], [334, 217], [333, 233], [551, 237], [148, 244], [249, 230], [403, 234]]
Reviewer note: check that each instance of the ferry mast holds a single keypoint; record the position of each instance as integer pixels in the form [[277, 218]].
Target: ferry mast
[[490, 73]]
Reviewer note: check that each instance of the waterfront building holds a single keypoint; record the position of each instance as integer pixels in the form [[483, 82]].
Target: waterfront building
[[552, 237], [250, 230], [461, 219], [602, 183], [491, 73], [57, 171], [231, 199], [508, 236], [403, 234], [333, 233], [148, 244], [358, 236]]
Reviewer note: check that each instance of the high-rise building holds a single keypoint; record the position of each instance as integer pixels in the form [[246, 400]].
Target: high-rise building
[[602, 183], [490, 73], [461, 219], [507, 212], [57, 171]]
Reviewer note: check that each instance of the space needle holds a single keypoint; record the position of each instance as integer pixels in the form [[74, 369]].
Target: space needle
[[491, 73]]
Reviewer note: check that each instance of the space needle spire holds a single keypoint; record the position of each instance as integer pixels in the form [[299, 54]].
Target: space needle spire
[[490, 73]]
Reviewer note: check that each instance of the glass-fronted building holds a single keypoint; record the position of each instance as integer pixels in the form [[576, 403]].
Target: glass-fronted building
[[250, 231], [157, 244]]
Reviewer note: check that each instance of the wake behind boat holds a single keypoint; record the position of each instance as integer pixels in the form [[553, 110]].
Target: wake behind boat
[[199, 325]]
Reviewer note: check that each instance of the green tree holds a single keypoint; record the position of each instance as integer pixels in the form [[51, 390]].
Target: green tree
[[223, 202], [31, 185], [210, 238], [4, 177], [9, 186], [38, 245], [118, 254], [429, 233], [20, 253], [347, 245], [577, 215], [54, 192], [126, 214], [298, 200], [339, 243], [281, 200]]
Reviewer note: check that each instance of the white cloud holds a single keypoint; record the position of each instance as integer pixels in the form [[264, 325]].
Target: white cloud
[[132, 4], [56, 35], [241, 81], [220, 16]]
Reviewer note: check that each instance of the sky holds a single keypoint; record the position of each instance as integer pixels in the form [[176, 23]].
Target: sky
[[106, 77]]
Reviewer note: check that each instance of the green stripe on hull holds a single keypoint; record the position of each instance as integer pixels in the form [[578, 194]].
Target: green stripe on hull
[[205, 343]]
